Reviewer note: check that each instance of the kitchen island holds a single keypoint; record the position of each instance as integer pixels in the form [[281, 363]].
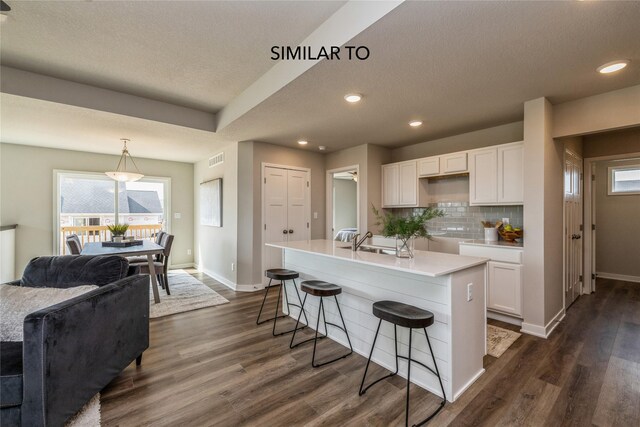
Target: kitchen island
[[450, 286]]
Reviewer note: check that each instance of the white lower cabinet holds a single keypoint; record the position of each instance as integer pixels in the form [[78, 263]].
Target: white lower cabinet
[[504, 276], [505, 287]]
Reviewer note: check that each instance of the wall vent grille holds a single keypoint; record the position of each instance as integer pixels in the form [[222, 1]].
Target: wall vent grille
[[216, 160]]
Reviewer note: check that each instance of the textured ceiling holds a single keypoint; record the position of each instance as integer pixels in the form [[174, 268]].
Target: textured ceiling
[[458, 66], [31, 121], [198, 54]]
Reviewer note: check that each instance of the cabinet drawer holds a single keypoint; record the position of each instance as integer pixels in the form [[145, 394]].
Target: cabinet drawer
[[495, 254]]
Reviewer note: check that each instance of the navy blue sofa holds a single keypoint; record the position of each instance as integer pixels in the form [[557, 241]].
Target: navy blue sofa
[[72, 350]]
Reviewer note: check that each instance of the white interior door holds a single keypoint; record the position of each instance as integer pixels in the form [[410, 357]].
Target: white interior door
[[297, 203], [573, 227], [275, 214], [286, 211]]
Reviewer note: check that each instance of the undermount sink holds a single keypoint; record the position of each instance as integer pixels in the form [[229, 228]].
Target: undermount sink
[[386, 250]]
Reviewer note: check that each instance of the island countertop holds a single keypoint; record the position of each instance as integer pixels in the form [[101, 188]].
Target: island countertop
[[431, 264]]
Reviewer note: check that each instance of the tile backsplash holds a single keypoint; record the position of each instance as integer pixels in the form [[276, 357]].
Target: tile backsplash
[[463, 221]]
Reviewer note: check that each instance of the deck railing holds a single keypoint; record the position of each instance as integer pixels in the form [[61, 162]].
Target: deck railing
[[100, 233]]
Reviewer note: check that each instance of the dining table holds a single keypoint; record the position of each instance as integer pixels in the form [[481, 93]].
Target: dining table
[[148, 248]]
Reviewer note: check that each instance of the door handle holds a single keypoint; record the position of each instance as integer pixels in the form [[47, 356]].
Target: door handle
[[284, 231], [578, 236], [290, 231]]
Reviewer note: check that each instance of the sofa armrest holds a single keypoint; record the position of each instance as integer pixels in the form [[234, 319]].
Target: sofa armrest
[[74, 349]]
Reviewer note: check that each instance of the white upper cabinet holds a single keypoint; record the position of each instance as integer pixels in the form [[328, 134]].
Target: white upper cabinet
[[510, 174], [496, 176], [390, 195], [442, 165], [400, 184], [429, 166], [483, 176], [454, 163], [408, 184]]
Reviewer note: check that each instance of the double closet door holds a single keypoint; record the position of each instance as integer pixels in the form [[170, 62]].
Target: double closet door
[[286, 210]]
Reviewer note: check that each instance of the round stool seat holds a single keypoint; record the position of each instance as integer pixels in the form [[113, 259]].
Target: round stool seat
[[320, 288], [402, 314], [282, 274]]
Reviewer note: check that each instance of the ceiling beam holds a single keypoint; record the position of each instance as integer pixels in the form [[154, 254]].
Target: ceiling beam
[[38, 86], [346, 23]]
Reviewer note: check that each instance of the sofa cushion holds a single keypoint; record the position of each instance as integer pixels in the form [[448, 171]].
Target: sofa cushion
[[74, 270], [18, 301], [10, 374]]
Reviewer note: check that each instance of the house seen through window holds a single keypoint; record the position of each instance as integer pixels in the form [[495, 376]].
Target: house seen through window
[[88, 204]]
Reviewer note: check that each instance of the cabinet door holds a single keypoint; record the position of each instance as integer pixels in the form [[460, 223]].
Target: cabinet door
[[429, 166], [505, 287], [454, 163], [483, 176], [510, 174], [408, 184], [390, 185]]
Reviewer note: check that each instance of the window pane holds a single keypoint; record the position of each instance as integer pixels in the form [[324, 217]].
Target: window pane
[[87, 205], [626, 180], [141, 205]]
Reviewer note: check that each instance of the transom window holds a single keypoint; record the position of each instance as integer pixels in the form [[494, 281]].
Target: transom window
[[624, 180]]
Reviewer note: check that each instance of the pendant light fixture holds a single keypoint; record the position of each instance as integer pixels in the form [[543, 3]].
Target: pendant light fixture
[[121, 173]]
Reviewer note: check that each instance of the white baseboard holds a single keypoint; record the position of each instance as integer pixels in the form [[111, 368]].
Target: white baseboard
[[468, 384], [543, 331], [228, 283], [623, 277], [504, 318], [179, 266]]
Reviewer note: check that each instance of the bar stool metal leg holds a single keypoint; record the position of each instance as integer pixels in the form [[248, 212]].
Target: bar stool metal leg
[[318, 336], [266, 293], [406, 413], [286, 300], [395, 336]]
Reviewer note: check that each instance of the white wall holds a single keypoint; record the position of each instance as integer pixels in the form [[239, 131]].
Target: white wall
[[345, 204], [617, 226], [611, 110], [26, 194], [502, 134], [216, 247], [543, 218]]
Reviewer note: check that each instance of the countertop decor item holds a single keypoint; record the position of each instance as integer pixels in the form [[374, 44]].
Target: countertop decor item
[[121, 173], [510, 233], [405, 228]]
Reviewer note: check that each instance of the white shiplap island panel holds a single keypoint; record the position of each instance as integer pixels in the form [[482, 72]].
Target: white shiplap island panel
[[434, 281]]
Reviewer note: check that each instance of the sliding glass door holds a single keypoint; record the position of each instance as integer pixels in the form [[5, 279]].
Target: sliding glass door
[[87, 203]]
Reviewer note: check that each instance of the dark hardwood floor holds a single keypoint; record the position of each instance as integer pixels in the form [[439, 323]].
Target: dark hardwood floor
[[214, 366]]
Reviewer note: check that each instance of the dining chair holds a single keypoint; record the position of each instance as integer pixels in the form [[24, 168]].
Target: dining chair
[[137, 259], [162, 265], [73, 244]]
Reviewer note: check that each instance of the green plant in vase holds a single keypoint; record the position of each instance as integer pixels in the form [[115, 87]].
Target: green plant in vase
[[118, 231], [405, 228]]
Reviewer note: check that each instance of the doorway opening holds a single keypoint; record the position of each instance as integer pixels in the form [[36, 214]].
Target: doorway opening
[[343, 203]]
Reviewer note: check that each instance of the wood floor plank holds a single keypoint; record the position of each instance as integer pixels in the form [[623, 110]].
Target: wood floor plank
[[216, 367]]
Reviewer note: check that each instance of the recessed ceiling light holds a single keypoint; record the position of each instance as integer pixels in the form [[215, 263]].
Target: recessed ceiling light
[[613, 66], [415, 123], [353, 97], [303, 142], [322, 148]]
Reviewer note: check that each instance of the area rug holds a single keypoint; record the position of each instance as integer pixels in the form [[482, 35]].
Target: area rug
[[187, 293], [88, 416], [499, 340]]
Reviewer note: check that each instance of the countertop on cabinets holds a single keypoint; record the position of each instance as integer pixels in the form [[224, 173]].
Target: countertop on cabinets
[[494, 244], [432, 264]]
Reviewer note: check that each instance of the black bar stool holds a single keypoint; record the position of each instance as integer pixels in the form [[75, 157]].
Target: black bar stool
[[410, 317], [321, 289], [282, 275]]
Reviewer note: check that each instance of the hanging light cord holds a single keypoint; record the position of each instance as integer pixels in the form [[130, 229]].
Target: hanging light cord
[[125, 154]]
